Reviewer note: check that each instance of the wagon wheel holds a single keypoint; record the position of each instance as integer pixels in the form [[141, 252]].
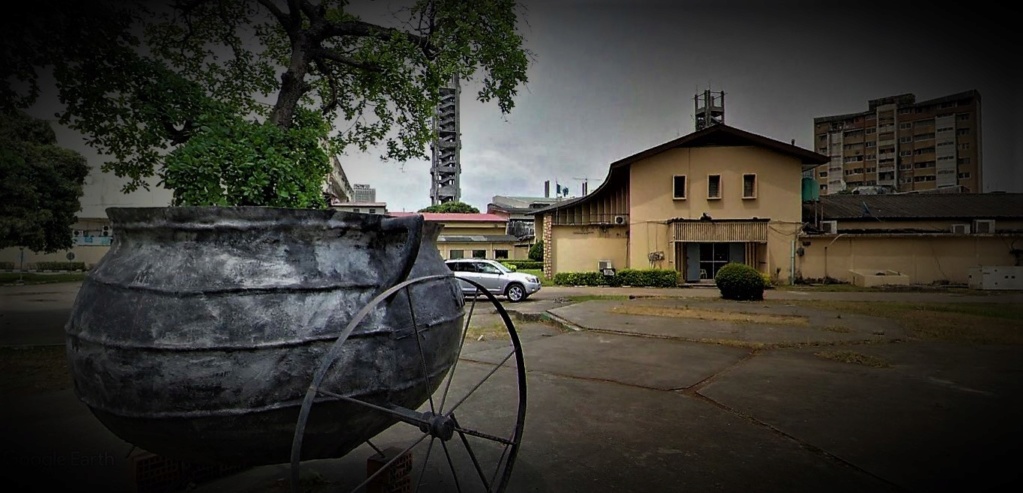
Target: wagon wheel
[[464, 450]]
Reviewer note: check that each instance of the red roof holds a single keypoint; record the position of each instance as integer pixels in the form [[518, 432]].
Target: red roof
[[452, 217]]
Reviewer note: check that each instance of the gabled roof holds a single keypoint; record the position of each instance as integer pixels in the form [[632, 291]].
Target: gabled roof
[[476, 239], [723, 135], [506, 201], [452, 217], [920, 206], [714, 135]]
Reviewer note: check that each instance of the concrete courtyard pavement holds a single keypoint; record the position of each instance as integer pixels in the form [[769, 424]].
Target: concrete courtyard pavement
[[638, 402]]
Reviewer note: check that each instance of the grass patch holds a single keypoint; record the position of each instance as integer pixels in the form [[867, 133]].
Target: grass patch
[[854, 358], [486, 326], [725, 316], [579, 298], [33, 370], [838, 329], [977, 323], [10, 278], [826, 288]]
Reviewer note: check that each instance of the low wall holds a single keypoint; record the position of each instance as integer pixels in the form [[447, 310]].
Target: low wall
[[925, 259]]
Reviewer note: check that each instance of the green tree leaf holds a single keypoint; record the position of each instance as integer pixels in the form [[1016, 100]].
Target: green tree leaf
[[188, 91], [40, 183]]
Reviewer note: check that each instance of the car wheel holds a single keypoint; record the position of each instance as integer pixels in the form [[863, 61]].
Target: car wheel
[[515, 293]]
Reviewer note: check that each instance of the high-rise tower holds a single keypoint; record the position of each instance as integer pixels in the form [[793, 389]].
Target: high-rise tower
[[446, 166]]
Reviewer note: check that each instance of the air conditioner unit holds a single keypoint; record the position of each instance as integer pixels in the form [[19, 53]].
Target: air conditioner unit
[[621, 220], [604, 264], [829, 227], [960, 229], [984, 226]]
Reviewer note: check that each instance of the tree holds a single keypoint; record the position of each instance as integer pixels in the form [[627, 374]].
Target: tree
[[242, 102], [452, 207], [536, 251], [40, 183]]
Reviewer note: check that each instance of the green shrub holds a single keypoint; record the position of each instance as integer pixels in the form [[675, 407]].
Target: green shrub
[[6, 265], [768, 283], [60, 265], [536, 251], [523, 264], [659, 278], [579, 279], [740, 282]]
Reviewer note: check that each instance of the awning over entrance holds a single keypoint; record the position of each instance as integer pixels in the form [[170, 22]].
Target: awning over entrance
[[709, 231]]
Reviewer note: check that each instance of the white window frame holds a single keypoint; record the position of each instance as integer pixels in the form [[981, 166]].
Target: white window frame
[[720, 186], [685, 187], [755, 186]]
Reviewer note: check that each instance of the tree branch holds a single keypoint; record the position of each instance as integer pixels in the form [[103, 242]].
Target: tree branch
[[322, 53], [278, 13], [178, 136], [366, 30], [310, 10], [328, 106]]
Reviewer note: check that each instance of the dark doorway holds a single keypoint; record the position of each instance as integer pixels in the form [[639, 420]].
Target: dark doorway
[[703, 260]]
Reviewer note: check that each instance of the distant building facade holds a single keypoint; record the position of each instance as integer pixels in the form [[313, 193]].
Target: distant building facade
[[519, 212], [903, 145], [473, 236], [363, 193], [360, 207]]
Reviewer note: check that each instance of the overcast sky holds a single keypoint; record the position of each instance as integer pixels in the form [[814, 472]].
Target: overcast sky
[[613, 78]]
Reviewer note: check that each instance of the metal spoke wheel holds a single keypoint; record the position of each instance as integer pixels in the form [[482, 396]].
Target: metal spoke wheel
[[466, 436]]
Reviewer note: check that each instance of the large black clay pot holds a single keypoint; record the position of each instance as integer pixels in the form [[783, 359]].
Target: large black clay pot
[[197, 335]]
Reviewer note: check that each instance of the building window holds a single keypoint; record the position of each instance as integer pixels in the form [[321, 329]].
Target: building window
[[749, 186], [822, 174], [963, 116], [355, 209], [964, 160], [905, 139], [962, 131], [679, 187], [479, 254], [372, 211], [500, 254], [906, 125], [964, 145], [456, 254], [714, 186], [964, 175]]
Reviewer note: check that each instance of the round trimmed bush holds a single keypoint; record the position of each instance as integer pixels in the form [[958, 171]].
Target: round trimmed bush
[[740, 282]]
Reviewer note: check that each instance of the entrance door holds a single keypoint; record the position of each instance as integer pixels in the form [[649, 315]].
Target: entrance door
[[714, 256], [692, 262]]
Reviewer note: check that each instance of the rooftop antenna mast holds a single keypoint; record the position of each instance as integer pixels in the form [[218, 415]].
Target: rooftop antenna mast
[[710, 109]]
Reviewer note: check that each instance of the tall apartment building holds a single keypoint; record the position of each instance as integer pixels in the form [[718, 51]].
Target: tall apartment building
[[363, 193], [903, 145]]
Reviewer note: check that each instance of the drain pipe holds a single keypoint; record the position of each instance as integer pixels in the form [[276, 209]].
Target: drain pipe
[[792, 265], [826, 256]]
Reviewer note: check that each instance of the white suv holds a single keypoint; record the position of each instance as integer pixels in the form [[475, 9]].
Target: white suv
[[495, 277]]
